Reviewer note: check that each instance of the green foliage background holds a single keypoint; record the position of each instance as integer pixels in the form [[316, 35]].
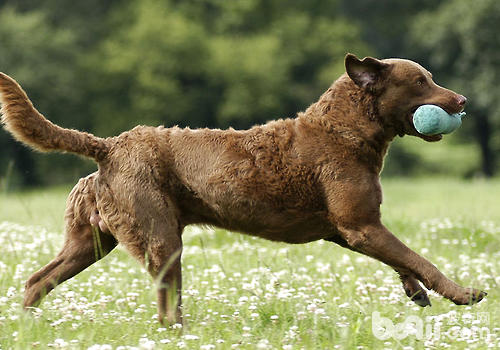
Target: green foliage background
[[105, 67]]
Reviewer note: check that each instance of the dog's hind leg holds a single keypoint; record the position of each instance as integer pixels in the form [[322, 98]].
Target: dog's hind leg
[[161, 254], [164, 265], [83, 245], [148, 227], [81, 249], [164, 251]]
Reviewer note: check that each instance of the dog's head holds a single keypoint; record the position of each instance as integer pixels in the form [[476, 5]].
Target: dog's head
[[401, 86]]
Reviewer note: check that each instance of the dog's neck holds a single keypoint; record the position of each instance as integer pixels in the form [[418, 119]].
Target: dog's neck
[[350, 115]]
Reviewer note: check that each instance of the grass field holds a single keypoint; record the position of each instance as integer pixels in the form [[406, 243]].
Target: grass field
[[246, 293]]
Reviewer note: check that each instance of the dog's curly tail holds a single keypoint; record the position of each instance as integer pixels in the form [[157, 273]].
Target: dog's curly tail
[[27, 125]]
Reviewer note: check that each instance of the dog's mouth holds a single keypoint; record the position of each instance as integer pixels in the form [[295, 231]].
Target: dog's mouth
[[414, 132]]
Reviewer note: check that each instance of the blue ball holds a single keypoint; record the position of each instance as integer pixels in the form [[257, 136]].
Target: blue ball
[[433, 120]]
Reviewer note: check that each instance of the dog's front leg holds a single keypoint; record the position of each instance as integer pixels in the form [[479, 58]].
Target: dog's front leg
[[412, 288], [376, 241]]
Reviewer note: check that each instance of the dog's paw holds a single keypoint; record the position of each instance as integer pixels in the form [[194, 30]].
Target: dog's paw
[[470, 296], [421, 299], [415, 292]]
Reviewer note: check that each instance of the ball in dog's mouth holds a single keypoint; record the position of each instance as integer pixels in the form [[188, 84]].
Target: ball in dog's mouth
[[428, 138]]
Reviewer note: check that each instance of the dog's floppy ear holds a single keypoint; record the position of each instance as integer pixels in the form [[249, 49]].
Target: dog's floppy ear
[[365, 73]]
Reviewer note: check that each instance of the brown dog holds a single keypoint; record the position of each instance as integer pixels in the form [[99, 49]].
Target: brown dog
[[293, 180]]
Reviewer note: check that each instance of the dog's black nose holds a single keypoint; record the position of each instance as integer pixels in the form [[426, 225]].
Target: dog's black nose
[[461, 100]]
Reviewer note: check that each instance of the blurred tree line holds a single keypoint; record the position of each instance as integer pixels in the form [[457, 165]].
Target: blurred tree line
[[106, 66]]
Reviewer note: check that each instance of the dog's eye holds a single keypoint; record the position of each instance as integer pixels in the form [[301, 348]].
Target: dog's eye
[[420, 82]]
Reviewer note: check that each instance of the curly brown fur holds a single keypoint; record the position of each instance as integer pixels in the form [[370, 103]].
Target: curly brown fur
[[292, 180], [27, 125]]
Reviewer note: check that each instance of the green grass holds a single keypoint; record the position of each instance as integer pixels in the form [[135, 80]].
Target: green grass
[[246, 293]]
